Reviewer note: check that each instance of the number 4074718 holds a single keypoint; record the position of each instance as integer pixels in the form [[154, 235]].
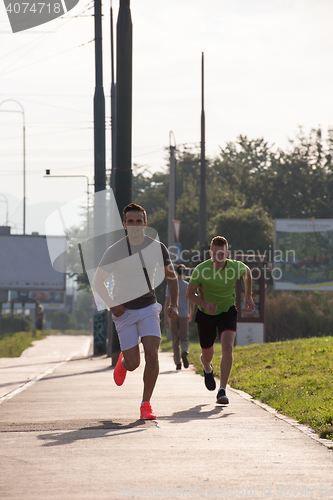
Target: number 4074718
[[35, 8]]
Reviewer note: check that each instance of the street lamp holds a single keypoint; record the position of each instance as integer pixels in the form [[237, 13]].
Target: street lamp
[[5, 201], [172, 193], [23, 115]]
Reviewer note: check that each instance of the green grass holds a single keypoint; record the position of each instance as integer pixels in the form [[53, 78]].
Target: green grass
[[295, 377], [13, 344]]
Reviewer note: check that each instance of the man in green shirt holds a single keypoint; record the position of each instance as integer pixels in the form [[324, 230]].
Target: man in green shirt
[[217, 314]]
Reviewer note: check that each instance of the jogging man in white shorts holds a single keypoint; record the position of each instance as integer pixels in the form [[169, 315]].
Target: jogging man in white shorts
[[133, 262]]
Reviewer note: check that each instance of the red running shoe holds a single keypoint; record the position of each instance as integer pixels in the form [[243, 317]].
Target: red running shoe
[[119, 373], [146, 412]]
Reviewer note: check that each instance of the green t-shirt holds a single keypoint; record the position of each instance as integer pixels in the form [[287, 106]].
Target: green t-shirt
[[218, 285]]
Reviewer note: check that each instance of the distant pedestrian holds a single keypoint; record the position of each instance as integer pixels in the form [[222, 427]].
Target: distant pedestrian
[[133, 262], [217, 315], [39, 320], [179, 326]]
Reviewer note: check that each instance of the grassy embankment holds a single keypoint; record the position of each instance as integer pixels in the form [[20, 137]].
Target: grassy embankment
[[13, 344], [295, 377]]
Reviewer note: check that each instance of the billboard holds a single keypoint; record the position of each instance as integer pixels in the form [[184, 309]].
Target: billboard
[[303, 254], [49, 300], [25, 263]]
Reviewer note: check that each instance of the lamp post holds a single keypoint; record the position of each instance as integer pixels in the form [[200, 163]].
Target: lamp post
[[24, 180], [5, 201], [172, 193], [203, 199]]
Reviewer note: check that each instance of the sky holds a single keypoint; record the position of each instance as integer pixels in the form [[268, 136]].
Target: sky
[[268, 71]]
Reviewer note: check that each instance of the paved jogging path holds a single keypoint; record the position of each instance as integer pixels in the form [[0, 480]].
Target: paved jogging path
[[73, 434]]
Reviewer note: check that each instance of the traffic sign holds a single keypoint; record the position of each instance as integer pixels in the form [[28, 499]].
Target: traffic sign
[[176, 227]]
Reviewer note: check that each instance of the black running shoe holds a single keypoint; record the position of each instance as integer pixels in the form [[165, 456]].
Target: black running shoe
[[185, 360], [179, 366], [210, 380], [222, 397]]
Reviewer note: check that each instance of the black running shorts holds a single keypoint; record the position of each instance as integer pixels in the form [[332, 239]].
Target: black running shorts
[[210, 326]]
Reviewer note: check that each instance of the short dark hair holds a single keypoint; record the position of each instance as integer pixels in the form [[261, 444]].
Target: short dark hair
[[181, 269], [219, 241], [132, 207]]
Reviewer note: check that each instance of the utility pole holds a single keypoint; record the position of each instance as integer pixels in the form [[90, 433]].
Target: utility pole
[[203, 199], [122, 176], [100, 174], [113, 106], [113, 345], [123, 170], [172, 195], [172, 204], [99, 104]]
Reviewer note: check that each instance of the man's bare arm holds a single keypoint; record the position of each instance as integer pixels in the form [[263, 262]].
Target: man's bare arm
[[191, 310], [193, 297], [166, 307], [172, 282], [248, 301]]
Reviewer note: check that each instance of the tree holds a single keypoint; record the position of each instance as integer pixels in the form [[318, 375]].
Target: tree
[[60, 320], [248, 185], [296, 183], [246, 229]]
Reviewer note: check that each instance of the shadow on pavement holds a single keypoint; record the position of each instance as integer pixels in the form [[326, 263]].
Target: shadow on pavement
[[110, 428], [105, 428], [197, 413]]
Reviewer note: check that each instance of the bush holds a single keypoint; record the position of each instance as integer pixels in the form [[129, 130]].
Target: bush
[[296, 314], [60, 320], [12, 324], [245, 229], [79, 320], [13, 344]]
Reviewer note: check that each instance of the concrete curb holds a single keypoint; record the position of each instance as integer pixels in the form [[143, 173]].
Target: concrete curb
[[301, 427]]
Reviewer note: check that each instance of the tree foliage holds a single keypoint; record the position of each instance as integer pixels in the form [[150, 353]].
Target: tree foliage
[[249, 184]]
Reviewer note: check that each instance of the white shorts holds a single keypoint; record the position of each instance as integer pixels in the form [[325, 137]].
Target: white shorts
[[137, 323]]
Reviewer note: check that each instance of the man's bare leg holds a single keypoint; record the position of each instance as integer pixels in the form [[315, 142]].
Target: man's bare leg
[[131, 359], [227, 342], [151, 346], [206, 358]]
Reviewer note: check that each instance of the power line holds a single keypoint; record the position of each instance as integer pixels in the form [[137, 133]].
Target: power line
[[55, 106], [63, 17], [19, 48], [50, 95], [65, 131], [9, 173], [46, 58], [150, 153], [43, 38]]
